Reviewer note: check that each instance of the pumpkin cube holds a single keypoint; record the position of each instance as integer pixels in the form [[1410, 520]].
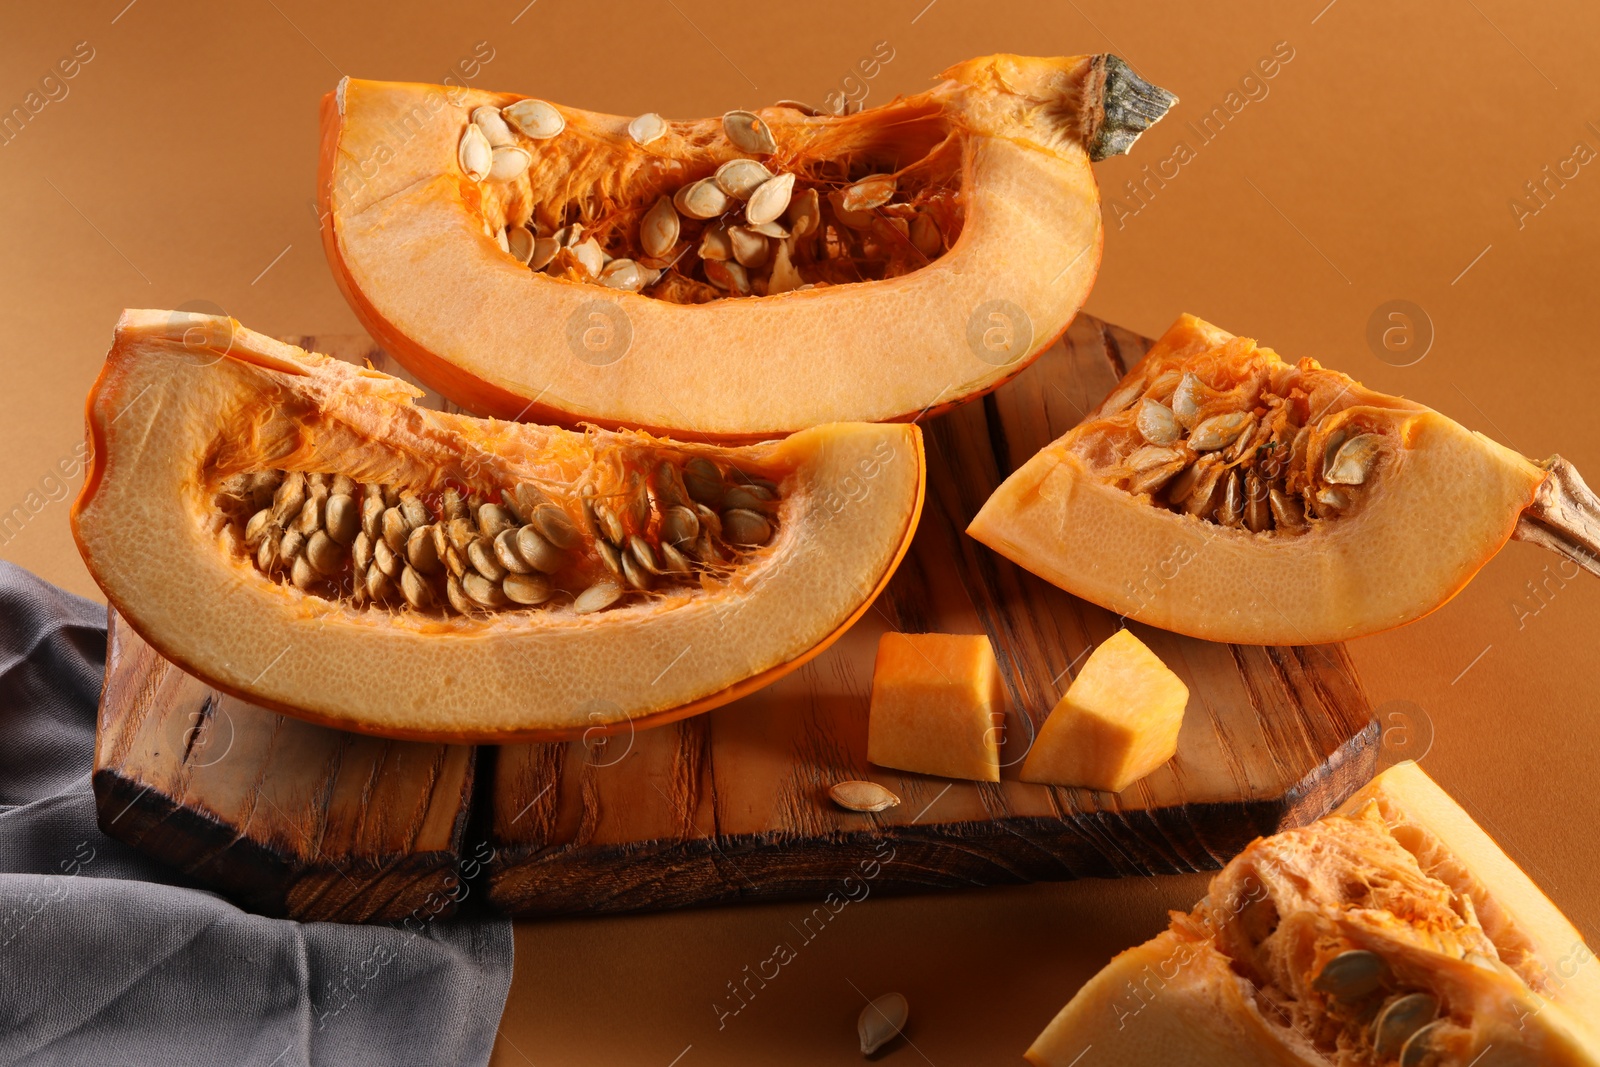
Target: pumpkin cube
[[1117, 722], [938, 706]]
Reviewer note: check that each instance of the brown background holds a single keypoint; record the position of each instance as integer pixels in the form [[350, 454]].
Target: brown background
[[1380, 165]]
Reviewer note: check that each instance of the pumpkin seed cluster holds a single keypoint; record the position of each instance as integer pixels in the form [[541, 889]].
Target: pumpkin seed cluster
[[452, 552], [1259, 461], [743, 230], [1406, 1025]]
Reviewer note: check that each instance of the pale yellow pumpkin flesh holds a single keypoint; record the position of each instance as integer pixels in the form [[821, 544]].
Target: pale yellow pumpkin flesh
[[1399, 872], [998, 152], [187, 404], [1434, 503]]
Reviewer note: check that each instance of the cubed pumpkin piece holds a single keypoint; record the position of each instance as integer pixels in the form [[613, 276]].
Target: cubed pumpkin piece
[[1117, 722], [938, 706]]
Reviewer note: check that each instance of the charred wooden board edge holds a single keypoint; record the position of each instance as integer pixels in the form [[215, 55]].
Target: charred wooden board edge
[[572, 880]]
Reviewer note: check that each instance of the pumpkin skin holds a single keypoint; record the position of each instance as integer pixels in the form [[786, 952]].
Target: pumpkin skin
[[1438, 503], [185, 402], [404, 231], [1197, 994]]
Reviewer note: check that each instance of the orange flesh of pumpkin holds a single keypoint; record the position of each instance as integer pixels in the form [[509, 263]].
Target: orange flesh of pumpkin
[[1437, 502], [1399, 871], [186, 404], [995, 152]]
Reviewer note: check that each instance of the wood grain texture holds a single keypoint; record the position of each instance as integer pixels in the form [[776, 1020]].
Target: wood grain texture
[[733, 805], [282, 816]]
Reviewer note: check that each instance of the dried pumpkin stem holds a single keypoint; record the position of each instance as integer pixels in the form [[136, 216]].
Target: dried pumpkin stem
[[1564, 516], [1127, 106]]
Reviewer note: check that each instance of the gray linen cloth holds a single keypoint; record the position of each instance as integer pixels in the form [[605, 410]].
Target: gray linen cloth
[[107, 958]]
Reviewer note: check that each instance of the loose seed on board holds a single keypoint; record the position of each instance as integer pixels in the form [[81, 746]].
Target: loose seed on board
[[487, 118], [597, 597], [475, 154], [658, 230], [749, 133], [534, 118], [881, 1021], [508, 162], [700, 200], [862, 796], [647, 127], [770, 200]]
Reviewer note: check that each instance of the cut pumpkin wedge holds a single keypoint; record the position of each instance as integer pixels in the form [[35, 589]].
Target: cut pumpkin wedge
[[1226, 494], [738, 277], [293, 530], [1394, 931]]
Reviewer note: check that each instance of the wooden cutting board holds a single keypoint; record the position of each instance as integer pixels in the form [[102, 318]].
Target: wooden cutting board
[[733, 805]]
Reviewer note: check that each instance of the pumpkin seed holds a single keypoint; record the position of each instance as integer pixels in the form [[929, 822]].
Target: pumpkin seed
[[1353, 460], [534, 118], [597, 597], [590, 256], [1351, 975], [1241, 444], [495, 131], [673, 560], [372, 510], [457, 596], [324, 553], [377, 584], [556, 527], [647, 127], [700, 200], [537, 550], [744, 527], [1286, 511], [395, 529], [749, 133], [1186, 399], [508, 162], [386, 559], [568, 236], [342, 485], [502, 240], [256, 528], [855, 219], [519, 242], [341, 518], [289, 498], [1422, 1048], [784, 277], [267, 551], [800, 106], [414, 510], [870, 192], [302, 574], [881, 1021], [1148, 456], [769, 229], [1219, 431], [633, 573], [1230, 512], [641, 551], [290, 547], [482, 590], [1151, 481], [749, 249], [925, 235], [715, 243], [474, 153], [1400, 1019], [544, 250], [728, 276], [1257, 510], [627, 275], [750, 497], [770, 199], [361, 551], [679, 526], [659, 229], [741, 177], [505, 551], [862, 796], [415, 589], [526, 589], [609, 556], [481, 556], [805, 213], [1156, 422]]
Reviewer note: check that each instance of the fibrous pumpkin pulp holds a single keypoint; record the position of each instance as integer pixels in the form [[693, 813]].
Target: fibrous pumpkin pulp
[[1226, 494], [293, 530], [1394, 931], [737, 277]]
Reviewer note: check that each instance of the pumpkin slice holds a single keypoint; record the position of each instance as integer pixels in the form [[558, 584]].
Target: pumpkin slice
[[1225, 494], [738, 277], [1394, 931], [293, 530]]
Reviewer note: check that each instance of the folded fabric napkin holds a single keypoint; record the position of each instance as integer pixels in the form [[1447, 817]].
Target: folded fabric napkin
[[108, 958]]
